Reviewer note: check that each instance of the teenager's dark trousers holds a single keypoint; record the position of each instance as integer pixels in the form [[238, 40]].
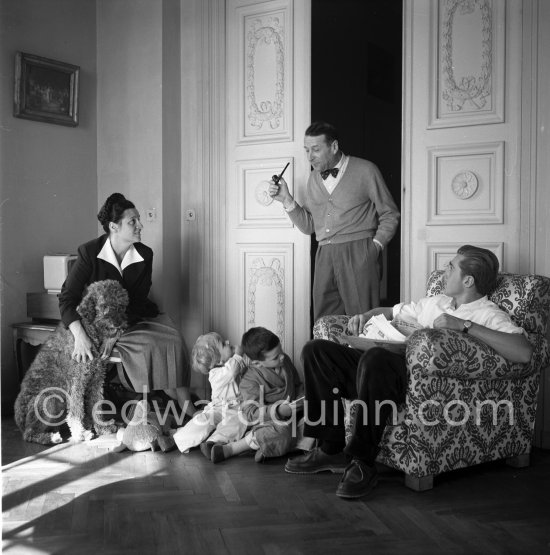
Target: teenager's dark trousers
[[332, 372]]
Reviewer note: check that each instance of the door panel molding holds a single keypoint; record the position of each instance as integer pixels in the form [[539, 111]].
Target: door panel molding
[[467, 89], [464, 162], [266, 277]]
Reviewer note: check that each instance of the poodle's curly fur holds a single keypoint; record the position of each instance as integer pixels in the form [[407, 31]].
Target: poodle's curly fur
[[56, 388]]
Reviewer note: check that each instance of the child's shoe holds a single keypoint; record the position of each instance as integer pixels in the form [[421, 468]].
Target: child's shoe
[[259, 457], [206, 448], [217, 454]]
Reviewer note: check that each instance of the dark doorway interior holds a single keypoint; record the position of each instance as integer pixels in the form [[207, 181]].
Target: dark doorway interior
[[356, 85]]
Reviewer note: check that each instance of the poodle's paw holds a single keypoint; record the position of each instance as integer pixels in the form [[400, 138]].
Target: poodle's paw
[[56, 437], [88, 435], [84, 435], [108, 429]]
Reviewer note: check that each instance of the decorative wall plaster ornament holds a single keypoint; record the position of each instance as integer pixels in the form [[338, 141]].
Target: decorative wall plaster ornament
[[262, 193], [270, 276], [465, 184], [471, 88], [270, 111]]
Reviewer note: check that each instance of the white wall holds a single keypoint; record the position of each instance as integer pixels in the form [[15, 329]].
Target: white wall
[[48, 199], [129, 119], [139, 137]]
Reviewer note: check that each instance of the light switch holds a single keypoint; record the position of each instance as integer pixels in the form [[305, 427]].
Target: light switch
[[190, 215]]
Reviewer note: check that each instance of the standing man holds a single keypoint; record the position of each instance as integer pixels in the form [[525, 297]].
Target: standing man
[[353, 215]]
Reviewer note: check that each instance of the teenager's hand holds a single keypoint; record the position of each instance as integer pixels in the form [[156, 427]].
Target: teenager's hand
[[448, 321], [357, 323]]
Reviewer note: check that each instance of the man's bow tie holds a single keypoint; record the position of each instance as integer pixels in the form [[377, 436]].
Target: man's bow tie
[[332, 171]]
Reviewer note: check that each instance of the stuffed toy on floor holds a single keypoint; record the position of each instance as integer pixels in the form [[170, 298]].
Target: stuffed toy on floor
[[145, 431]]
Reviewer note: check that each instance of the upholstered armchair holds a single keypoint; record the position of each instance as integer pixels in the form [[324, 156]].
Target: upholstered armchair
[[465, 404]]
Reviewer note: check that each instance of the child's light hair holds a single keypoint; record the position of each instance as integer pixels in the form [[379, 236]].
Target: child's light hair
[[206, 352]]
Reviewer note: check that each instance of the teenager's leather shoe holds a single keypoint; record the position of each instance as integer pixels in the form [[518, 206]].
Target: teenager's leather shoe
[[359, 479], [316, 461]]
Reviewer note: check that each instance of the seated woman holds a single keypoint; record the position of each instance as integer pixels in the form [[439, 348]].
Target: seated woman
[[152, 350]]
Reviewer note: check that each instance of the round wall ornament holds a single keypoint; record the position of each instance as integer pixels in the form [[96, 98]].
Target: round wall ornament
[[465, 184], [262, 193]]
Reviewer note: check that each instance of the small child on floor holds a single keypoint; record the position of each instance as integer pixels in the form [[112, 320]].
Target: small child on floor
[[220, 421], [272, 399]]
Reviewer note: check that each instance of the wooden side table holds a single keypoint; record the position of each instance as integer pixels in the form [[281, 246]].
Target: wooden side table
[[33, 333]]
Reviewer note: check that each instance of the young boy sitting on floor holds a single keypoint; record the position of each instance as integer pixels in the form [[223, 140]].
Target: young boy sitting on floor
[[271, 390], [220, 421]]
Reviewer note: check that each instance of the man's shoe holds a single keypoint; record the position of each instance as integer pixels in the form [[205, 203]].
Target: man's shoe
[[317, 461], [359, 479]]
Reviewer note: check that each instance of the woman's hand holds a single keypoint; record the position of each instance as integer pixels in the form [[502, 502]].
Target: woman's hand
[[82, 343]]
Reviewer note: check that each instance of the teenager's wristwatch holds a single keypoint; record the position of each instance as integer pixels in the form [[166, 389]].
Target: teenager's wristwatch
[[467, 325]]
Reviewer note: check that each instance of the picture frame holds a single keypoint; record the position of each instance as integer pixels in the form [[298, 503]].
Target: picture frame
[[46, 90]]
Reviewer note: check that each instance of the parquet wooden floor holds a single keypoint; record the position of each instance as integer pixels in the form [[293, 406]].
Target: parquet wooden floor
[[78, 499]]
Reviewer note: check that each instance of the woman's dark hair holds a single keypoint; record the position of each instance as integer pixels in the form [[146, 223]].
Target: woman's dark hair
[[318, 128], [482, 265], [258, 341], [113, 209]]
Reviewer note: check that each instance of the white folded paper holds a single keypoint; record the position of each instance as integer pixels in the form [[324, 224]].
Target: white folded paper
[[378, 327]]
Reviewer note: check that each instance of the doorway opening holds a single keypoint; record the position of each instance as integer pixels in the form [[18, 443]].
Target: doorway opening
[[356, 61]]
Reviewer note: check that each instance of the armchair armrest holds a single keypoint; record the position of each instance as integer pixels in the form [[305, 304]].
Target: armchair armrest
[[329, 327], [453, 354]]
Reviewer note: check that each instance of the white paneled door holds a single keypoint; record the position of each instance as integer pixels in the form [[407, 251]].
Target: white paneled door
[[268, 110], [463, 178]]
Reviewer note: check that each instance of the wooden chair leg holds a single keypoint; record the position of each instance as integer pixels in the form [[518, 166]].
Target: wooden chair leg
[[423, 483], [519, 461]]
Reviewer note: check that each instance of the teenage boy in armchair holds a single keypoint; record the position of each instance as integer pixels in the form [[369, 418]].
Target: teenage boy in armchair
[[333, 371]]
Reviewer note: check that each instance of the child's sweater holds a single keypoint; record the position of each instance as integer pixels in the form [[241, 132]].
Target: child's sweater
[[224, 381], [262, 387]]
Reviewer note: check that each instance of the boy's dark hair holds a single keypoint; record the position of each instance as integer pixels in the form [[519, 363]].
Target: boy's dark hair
[[482, 265], [258, 341], [323, 128]]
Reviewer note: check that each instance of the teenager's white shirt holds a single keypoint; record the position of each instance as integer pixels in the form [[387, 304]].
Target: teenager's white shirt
[[481, 311]]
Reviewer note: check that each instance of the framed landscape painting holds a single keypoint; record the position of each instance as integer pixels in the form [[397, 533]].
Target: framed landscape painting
[[45, 90]]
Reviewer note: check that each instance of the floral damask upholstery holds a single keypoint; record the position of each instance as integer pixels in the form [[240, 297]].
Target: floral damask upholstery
[[465, 404]]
